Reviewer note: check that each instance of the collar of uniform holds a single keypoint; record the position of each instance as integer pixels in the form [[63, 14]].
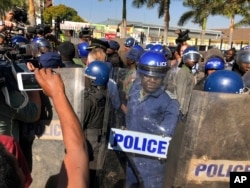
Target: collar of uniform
[[155, 94], [185, 67]]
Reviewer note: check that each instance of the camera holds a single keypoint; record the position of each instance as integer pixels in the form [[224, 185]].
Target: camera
[[86, 32], [39, 29], [20, 14], [182, 36]]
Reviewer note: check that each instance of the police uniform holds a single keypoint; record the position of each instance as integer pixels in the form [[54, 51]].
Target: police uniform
[[185, 83], [94, 105], [115, 60], [156, 114]]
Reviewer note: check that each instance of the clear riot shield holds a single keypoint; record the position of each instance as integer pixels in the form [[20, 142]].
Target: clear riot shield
[[111, 162], [138, 137], [48, 149]]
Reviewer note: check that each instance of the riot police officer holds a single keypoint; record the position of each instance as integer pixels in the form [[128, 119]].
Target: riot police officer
[[185, 79], [224, 81], [242, 64], [150, 110], [213, 64], [129, 43], [94, 104]]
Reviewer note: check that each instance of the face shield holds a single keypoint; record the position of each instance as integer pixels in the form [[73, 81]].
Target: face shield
[[34, 49], [243, 56], [153, 71], [191, 56]]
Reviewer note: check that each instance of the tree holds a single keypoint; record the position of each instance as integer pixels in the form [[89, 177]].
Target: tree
[[124, 18], [62, 11], [32, 15], [163, 10], [198, 13], [230, 9], [6, 5]]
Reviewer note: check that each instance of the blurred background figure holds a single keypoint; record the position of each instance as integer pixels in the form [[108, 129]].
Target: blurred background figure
[[8, 20], [48, 58], [132, 58], [67, 53], [112, 54], [230, 58]]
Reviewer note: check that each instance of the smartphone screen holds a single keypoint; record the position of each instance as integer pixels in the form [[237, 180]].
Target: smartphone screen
[[27, 82]]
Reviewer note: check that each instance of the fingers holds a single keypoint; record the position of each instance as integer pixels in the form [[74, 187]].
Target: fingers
[[45, 75], [30, 66]]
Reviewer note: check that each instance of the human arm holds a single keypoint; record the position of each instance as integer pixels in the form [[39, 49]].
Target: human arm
[[76, 158]]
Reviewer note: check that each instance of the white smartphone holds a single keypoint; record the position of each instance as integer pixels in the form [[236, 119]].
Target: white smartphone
[[27, 81]]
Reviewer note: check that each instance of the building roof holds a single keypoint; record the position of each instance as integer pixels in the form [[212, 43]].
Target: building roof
[[239, 34], [153, 26]]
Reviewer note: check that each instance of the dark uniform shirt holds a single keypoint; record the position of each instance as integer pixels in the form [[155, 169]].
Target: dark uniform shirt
[[157, 114], [94, 109], [94, 104], [71, 64], [115, 60]]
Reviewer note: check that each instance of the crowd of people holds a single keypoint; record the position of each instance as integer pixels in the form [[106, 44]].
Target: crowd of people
[[151, 97]]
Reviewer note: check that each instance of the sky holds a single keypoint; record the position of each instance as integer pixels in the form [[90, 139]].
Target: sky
[[95, 11]]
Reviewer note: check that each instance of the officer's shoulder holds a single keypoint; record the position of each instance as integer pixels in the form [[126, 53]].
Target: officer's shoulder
[[170, 94]]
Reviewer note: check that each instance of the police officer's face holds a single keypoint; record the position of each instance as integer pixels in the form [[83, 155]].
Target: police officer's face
[[210, 71], [150, 84], [190, 63], [244, 67]]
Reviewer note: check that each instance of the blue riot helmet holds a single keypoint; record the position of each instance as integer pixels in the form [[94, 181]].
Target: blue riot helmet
[[98, 72], [153, 64], [158, 48], [191, 54], [139, 48], [214, 63], [162, 49], [36, 39], [148, 47], [82, 49], [224, 81], [34, 46], [19, 40], [44, 43], [130, 42]]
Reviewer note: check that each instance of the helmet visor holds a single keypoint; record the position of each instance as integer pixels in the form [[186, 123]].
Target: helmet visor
[[191, 56], [152, 71], [243, 56]]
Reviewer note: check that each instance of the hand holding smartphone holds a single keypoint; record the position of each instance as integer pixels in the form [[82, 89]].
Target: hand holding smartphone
[[27, 81]]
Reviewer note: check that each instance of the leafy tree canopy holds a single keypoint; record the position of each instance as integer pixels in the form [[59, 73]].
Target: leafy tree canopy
[[6, 5], [64, 12]]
